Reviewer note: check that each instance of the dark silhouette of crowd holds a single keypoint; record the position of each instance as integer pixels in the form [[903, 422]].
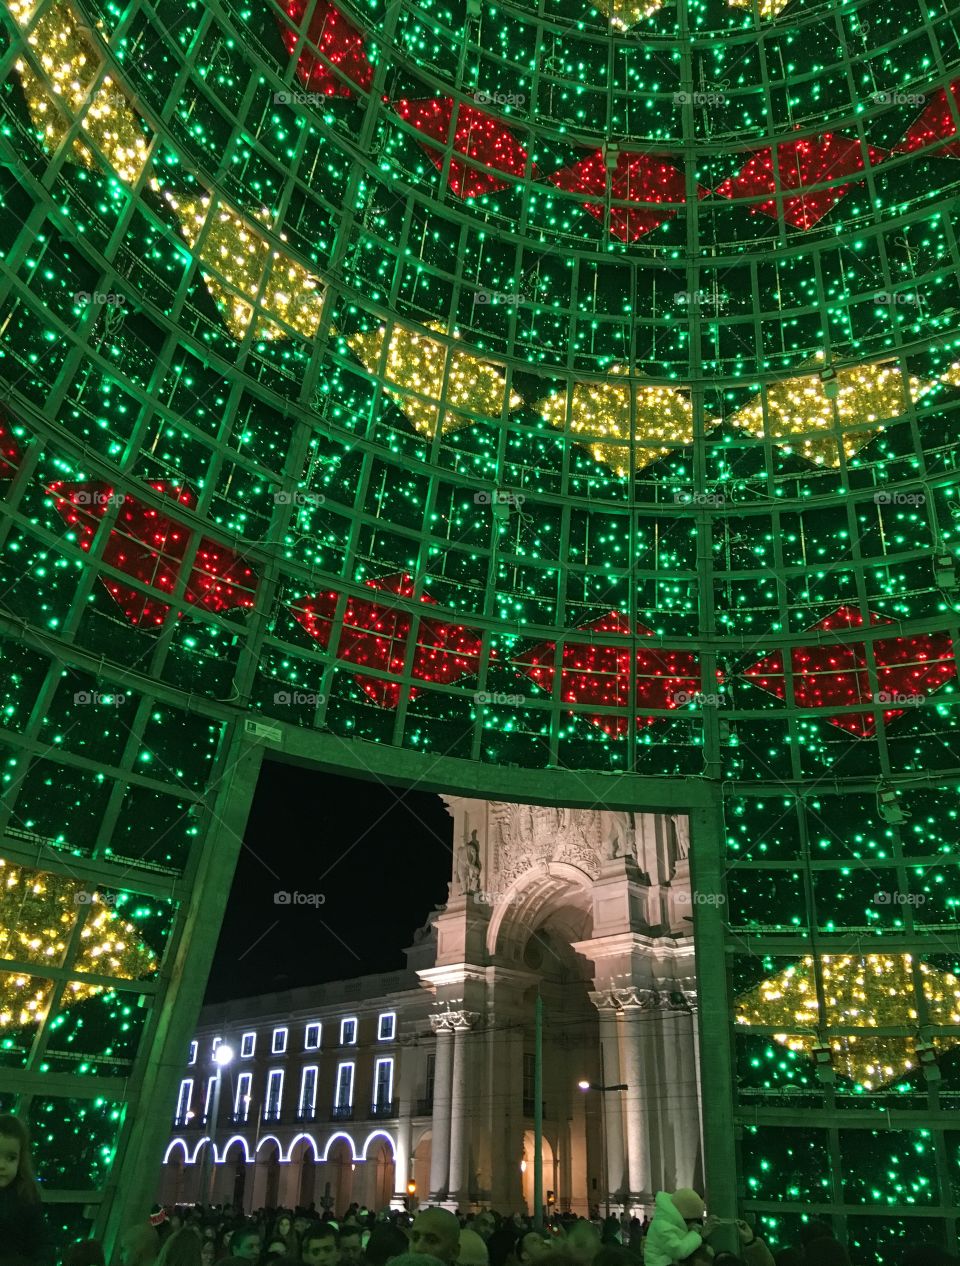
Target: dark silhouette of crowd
[[678, 1234]]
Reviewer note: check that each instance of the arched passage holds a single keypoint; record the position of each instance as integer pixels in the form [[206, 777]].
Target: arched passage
[[266, 1177], [336, 1176], [377, 1184], [302, 1180], [172, 1180], [420, 1165], [527, 1169], [231, 1182]]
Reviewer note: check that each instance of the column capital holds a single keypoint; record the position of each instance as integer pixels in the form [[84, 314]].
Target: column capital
[[632, 999], [454, 1021]]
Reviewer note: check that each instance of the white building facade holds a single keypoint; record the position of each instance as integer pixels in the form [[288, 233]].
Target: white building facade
[[418, 1085]]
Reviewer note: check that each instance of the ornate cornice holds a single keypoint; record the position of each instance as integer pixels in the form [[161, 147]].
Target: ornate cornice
[[631, 999], [454, 1021]]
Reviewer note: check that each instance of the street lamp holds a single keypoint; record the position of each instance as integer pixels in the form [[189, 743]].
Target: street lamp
[[222, 1057], [602, 1088]]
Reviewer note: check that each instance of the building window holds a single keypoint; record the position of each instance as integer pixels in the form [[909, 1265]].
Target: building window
[[279, 1046], [208, 1098], [308, 1092], [183, 1102], [528, 1080], [248, 1045], [344, 1100], [348, 1032], [383, 1085], [387, 1027], [241, 1102], [274, 1095], [431, 1075], [193, 1053], [311, 1038]]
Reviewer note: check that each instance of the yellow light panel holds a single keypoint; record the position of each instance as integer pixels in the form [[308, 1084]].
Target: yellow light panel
[[240, 253], [71, 64], [874, 991], [419, 363], [603, 411], [798, 406]]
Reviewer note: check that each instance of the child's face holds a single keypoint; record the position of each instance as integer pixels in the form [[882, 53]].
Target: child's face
[[9, 1159]]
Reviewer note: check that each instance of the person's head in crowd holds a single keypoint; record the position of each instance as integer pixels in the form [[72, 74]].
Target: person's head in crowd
[[436, 1233], [701, 1256], [611, 1230], [615, 1255], [283, 1225], [182, 1248], [473, 1249], [208, 1253], [414, 1259], [815, 1229], [485, 1224], [824, 1252], [385, 1243], [16, 1170], [351, 1245], [533, 1246], [139, 1245], [84, 1253], [319, 1245], [788, 1257], [275, 1245], [245, 1243], [300, 1223], [583, 1242]]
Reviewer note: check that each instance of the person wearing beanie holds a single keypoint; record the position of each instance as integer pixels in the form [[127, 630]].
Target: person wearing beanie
[[676, 1230]]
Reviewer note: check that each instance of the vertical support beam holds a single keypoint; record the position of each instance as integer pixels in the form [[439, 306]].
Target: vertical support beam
[[131, 1191], [460, 1175], [635, 1052], [611, 1105], [716, 1073], [442, 1082]]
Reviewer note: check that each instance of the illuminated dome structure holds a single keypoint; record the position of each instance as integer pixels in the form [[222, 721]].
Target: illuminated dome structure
[[552, 400]]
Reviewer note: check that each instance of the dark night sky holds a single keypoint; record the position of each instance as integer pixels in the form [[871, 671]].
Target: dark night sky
[[380, 856]]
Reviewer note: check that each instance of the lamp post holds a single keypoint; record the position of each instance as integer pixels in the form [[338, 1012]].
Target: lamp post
[[602, 1088], [223, 1056]]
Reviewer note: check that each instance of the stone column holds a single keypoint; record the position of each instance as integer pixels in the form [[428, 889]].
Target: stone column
[[440, 1138], [679, 1024], [635, 1067], [460, 1177], [612, 1106]]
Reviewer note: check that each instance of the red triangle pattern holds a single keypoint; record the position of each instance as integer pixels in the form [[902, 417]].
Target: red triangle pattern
[[375, 634], [337, 39], [835, 675], [601, 674], [636, 178], [935, 124], [150, 546], [800, 165], [479, 136]]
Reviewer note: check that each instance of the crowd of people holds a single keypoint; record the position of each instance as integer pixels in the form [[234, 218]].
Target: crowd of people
[[679, 1234]]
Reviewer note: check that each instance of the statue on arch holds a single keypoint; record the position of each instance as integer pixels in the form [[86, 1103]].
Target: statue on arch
[[468, 866]]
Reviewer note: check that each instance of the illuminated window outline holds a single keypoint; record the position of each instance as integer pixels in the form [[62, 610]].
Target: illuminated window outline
[[307, 1044], [350, 1019], [246, 1051], [279, 1044], [387, 1037], [345, 1077]]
